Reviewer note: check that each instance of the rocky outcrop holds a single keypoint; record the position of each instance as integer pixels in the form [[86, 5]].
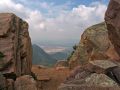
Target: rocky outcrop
[[15, 45], [15, 54], [93, 82], [96, 75], [25, 82], [94, 45], [112, 18], [97, 56]]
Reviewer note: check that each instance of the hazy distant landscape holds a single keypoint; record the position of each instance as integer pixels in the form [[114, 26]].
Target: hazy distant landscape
[[49, 53]]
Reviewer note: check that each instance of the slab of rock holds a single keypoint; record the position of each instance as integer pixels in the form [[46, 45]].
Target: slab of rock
[[104, 64], [112, 18], [25, 82], [96, 66], [15, 45], [99, 66], [79, 73], [100, 80], [93, 82]]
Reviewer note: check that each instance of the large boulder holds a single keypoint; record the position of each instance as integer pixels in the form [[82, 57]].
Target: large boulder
[[96, 66], [95, 75], [112, 18], [93, 82], [10, 83], [94, 45], [25, 82], [15, 45], [3, 82]]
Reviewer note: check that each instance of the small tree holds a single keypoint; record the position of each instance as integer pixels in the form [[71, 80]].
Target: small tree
[[75, 47]]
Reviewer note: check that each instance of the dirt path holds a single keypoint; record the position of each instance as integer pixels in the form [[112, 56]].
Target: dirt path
[[56, 77]]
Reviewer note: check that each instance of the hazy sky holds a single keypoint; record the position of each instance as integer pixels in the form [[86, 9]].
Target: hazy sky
[[56, 20]]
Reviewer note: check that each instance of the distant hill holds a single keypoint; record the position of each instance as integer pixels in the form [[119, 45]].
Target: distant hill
[[61, 55], [40, 57]]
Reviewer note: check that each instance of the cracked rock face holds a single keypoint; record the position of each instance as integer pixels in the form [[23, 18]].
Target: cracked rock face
[[15, 45], [93, 82], [94, 45], [112, 18], [25, 82]]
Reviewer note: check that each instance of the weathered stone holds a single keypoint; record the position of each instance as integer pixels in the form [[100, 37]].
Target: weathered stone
[[94, 45], [104, 64], [79, 73], [96, 66], [25, 82], [10, 84], [15, 45], [93, 82], [112, 18], [3, 82]]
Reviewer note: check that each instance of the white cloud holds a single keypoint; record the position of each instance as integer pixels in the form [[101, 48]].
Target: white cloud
[[66, 24]]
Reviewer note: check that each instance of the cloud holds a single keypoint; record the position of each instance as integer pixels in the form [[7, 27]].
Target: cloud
[[60, 22]]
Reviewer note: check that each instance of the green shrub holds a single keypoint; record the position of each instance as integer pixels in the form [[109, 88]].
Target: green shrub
[[75, 47], [1, 55]]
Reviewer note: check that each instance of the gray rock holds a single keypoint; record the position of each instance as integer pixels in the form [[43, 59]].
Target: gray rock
[[25, 82]]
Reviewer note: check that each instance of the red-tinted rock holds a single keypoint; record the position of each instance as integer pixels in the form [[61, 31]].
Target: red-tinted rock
[[94, 45], [10, 84], [15, 45], [3, 82], [112, 18], [25, 82]]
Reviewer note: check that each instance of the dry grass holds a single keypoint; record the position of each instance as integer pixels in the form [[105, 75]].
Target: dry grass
[[57, 76]]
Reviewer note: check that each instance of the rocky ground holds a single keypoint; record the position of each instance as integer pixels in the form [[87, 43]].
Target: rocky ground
[[50, 78]]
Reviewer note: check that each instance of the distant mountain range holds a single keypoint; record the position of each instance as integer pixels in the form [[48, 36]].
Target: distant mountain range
[[61, 55], [40, 57]]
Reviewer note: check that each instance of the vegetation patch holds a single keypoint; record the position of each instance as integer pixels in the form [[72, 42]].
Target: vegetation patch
[[1, 55], [74, 49]]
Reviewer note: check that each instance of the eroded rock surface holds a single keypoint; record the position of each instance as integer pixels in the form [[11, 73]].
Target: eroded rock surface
[[15, 45], [25, 82], [93, 82], [10, 83], [3, 82], [96, 75], [94, 45], [112, 18]]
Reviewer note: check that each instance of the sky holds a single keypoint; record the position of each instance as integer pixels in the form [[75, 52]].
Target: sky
[[56, 20]]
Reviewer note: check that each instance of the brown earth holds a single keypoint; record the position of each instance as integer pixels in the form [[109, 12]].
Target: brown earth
[[50, 78]]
